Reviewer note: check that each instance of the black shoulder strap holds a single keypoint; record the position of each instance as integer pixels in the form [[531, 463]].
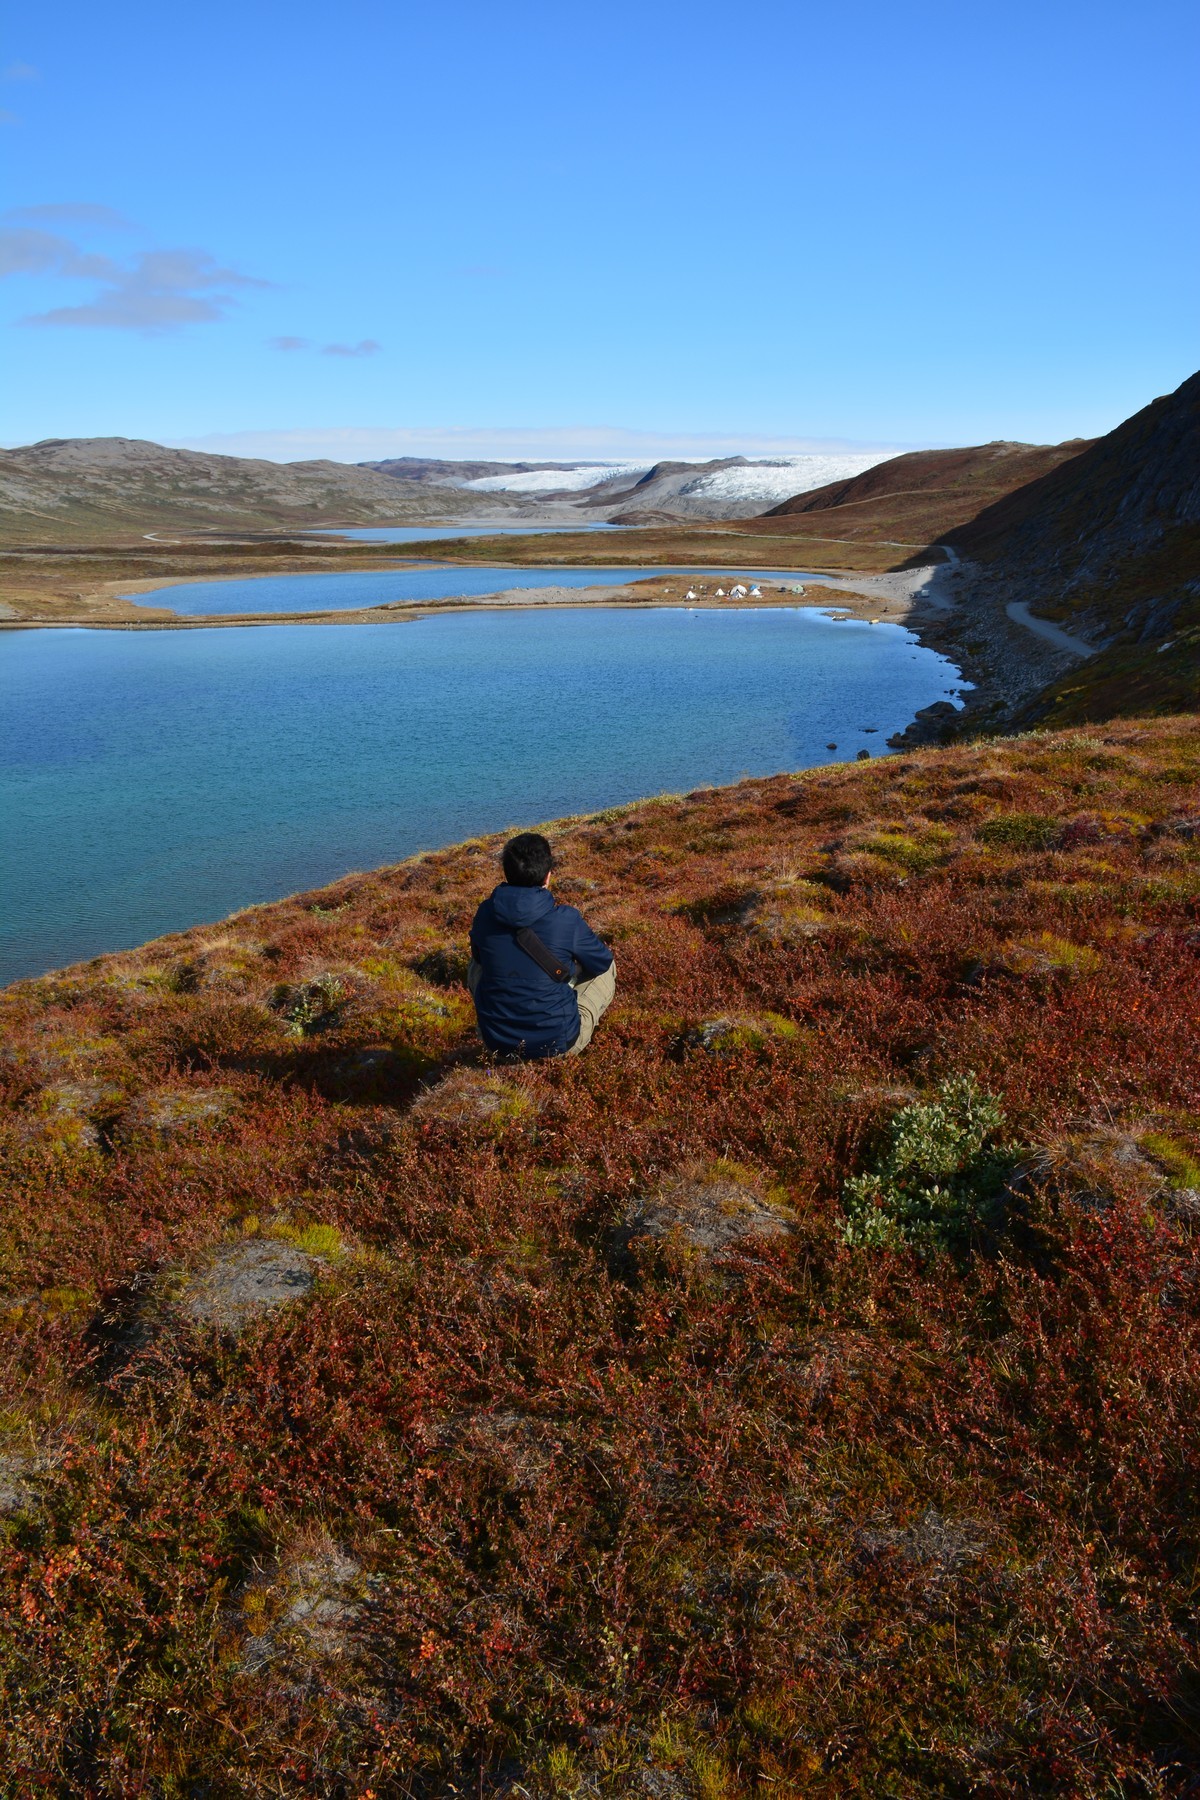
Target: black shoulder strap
[[542, 955]]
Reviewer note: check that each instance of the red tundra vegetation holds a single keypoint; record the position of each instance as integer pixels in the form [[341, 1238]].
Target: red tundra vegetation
[[798, 1394]]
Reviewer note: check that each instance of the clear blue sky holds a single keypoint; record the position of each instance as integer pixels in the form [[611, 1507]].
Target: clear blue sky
[[888, 223]]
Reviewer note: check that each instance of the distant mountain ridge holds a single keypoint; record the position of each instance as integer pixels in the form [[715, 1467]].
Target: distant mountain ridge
[[69, 489], [76, 487], [724, 487]]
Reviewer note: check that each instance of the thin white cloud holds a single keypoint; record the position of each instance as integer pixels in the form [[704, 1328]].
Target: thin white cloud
[[568, 443], [290, 343], [364, 347], [72, 212], [157, 291], [28, 251], [21, 71]]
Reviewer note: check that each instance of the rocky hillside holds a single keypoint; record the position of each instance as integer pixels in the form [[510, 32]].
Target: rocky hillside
[[1122, 495], [731, 487], [797, 1394], [80, 489], [677, 490], [914, 498], [1109, 545]]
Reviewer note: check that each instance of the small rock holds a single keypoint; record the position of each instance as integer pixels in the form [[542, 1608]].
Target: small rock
[[525, 1445], [468, 1098], [243, 1281], [723, 1037], [1090, 1169], [934, 1542], [709, 1213], [74, 1112], [19, 1476], [166, 1113], [314, 1598], [663, 1784], [714, 1034]]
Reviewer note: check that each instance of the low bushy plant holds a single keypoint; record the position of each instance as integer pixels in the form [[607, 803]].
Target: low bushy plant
[[1181, 1168], [940, 1177], [1019, 831], [309, 1006]]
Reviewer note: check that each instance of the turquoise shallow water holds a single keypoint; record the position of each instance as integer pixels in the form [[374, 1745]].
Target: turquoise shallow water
[[151, 780], [378, 587]]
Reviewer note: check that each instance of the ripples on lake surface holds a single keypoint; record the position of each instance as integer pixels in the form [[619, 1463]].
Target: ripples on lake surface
[[378, 587], [152, 780]]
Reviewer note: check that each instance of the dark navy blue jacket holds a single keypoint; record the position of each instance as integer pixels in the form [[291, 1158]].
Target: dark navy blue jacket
[[520, 1008]]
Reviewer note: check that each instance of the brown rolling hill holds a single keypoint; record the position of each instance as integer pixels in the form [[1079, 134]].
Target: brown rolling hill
[[90, 489], [1121, 494], [914, 499]]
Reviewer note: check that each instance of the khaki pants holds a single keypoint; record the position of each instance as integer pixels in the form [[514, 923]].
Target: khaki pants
[[595, 995]]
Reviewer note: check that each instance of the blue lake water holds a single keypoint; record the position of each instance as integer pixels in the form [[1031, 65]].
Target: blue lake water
[[151, 780], [420, 534], [378, 587]]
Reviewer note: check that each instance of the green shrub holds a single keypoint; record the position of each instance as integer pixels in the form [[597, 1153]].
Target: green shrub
[[940, 1176], [309, 1006]]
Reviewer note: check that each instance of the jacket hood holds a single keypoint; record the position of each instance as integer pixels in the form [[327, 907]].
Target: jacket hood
[[521, 906]]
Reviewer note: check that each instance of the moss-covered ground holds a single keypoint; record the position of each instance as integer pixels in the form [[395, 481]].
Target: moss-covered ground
[[380, 1423]]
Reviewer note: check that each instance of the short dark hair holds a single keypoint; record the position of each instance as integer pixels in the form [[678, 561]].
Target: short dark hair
[[527, 859]]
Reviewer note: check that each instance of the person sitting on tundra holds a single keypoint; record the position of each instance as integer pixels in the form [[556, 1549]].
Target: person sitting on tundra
[[539, 976]]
